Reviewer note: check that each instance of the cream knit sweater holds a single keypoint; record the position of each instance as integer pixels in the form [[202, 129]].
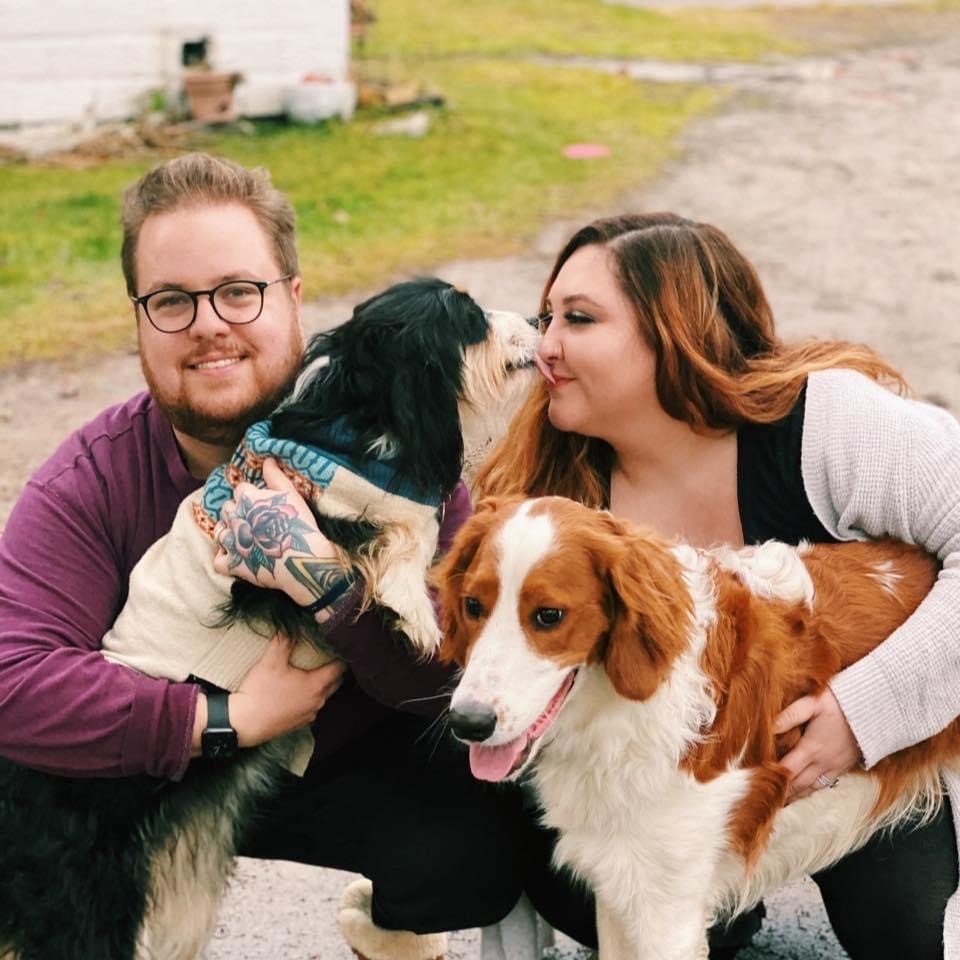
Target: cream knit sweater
[[877, 465]]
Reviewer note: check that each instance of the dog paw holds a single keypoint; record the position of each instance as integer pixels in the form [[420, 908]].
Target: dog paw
[[370, 942]]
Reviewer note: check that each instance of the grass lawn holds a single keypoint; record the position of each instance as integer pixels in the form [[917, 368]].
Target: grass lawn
[[482, 180]]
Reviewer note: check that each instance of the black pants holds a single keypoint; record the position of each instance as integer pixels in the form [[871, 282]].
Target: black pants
[[885, 902], [399, 805], [446, 852]]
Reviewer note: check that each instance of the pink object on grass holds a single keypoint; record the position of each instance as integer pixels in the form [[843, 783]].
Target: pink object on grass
[[585, 151]]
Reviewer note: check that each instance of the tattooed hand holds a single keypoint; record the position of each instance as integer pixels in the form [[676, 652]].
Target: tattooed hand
[[257, 532], [269, 537]]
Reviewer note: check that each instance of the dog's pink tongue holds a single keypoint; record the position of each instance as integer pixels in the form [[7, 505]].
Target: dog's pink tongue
[[545, 371], [495, 763]]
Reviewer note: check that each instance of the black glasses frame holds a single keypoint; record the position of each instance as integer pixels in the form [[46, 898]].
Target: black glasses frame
[[195, 296]]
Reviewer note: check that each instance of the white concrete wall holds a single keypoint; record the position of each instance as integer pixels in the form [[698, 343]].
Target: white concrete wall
[[74, 60]]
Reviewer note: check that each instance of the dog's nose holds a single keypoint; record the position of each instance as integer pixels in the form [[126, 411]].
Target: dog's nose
[[534, 321], [472, 721]]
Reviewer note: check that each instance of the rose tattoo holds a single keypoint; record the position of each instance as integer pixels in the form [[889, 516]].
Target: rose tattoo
[[259, 533]]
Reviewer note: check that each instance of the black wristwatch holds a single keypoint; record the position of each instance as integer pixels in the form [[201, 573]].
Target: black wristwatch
[[218, 740]]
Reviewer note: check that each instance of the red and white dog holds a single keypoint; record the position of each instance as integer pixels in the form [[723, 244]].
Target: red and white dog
[[643, 678]]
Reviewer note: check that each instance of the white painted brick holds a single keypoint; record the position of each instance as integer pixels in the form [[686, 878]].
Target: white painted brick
[[247, 52], [260, 100], [326, 53], [45, 18], [24, 60], [59, 57], [107, 56], [251, 53], [51, 102]]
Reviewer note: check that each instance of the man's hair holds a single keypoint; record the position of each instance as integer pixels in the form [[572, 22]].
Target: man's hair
[[198, 179]]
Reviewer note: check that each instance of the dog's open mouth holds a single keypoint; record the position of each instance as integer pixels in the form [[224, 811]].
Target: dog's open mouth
[[513, 367], [499, 762]]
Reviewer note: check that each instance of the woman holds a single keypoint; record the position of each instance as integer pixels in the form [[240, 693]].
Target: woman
[[668, 399]]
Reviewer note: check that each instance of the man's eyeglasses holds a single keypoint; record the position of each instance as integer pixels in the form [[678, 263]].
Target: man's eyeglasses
[[235, 301]]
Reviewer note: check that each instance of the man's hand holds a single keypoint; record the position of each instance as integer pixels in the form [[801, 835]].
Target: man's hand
[[275, 697], [269, 537], [827, 747]]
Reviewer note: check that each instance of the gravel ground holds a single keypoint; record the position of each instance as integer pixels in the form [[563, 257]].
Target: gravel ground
[[836, 175]]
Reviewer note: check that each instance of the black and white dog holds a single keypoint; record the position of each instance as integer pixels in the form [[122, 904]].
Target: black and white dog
[[374, 435]]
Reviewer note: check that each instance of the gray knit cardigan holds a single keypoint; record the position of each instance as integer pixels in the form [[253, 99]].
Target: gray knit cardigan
[[875, 464]]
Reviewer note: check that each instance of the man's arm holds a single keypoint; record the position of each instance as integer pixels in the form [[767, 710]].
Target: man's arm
[[63, 708]]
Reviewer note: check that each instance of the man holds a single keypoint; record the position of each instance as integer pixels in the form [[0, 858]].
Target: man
[[211, 267]]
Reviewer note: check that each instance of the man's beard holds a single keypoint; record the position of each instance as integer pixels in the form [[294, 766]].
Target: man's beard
[[218, 429]]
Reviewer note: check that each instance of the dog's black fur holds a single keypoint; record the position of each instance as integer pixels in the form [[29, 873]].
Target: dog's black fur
[[77, 853], [394, 371]]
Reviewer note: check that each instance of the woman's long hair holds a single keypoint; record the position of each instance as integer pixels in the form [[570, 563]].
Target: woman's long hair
[[701, 308]]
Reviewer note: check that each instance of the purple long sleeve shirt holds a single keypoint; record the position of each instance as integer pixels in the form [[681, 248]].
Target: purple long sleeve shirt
[[81, 524]]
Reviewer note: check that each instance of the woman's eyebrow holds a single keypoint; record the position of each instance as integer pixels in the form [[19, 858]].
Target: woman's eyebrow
[[579, 297]]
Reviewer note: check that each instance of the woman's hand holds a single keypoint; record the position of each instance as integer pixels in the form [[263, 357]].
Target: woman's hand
[[826, 749], [269, 537]]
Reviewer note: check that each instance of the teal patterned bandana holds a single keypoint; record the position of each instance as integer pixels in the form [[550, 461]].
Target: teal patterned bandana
[[314, 466]]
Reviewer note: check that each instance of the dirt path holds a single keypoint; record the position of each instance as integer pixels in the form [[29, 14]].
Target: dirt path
[[838, 176]]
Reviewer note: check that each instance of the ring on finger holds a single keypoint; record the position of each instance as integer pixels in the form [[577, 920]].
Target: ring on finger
[[829, 782]]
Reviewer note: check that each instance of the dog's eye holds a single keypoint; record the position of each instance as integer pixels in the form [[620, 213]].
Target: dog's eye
[[547, 617], [472, 607]]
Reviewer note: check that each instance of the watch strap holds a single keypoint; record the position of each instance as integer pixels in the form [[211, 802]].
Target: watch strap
[[218, 713], [219, 740]]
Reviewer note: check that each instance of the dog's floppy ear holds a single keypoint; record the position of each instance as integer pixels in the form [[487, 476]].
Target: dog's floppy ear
[[650, 616], [421, 397], [412, 338], [427, 355], [392, 377], [448, 574]]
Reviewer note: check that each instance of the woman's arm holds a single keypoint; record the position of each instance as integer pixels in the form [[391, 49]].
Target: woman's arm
[[877, 465]]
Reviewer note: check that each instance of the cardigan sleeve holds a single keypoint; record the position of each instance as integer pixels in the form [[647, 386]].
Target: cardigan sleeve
[[874, 465]]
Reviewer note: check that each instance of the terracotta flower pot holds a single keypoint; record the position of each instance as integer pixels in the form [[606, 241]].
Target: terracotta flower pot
[[210, 95]]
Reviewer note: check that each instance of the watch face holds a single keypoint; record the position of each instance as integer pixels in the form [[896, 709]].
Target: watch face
[[219, 744]]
